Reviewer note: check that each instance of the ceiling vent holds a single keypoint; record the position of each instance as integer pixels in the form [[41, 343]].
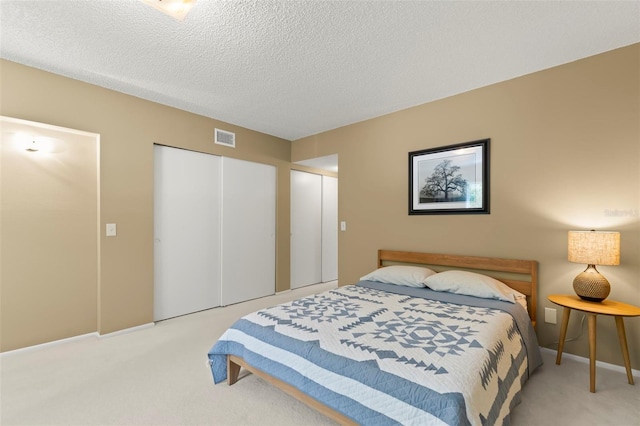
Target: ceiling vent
[[225, 138]]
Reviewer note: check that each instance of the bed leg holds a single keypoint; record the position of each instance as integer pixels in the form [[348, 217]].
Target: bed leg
[[233, 370]]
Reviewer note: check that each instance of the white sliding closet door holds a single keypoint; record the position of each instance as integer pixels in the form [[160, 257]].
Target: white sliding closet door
[[248, 230], [187, 232], [329, 228], [306, 228]]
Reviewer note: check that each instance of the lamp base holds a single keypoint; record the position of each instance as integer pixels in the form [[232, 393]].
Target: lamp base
[[591, 285]]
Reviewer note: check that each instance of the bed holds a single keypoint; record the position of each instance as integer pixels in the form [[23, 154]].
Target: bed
[[423, 339]]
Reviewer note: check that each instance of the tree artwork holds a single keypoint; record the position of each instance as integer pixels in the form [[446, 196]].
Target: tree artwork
[[451, 179], [444, 184]]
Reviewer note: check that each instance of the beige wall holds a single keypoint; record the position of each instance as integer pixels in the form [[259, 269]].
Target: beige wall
[[49, 233], [565, 154], [128, 128]]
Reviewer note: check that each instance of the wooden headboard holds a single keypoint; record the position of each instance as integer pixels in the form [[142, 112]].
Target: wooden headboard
[[526, 271]]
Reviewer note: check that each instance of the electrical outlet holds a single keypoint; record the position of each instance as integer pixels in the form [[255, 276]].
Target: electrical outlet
[[111, 230], [550, 316]]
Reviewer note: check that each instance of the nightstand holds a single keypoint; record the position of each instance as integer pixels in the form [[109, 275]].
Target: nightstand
[[618, 310]]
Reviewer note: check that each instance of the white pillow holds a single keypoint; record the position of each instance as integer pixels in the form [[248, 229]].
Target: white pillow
[[472, 284], [410, 276], [521, 300]]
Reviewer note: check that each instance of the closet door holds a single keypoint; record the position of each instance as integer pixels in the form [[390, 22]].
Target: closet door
[[329, 229], [306, 228], [248, 230], [187, 232]]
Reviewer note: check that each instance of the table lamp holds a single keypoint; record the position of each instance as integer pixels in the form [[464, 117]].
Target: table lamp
[[593, 248]]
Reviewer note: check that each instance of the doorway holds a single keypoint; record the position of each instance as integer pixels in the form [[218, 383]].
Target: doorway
[[50, 233]]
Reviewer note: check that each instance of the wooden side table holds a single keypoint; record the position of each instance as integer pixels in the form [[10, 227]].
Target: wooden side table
[[618, 310]]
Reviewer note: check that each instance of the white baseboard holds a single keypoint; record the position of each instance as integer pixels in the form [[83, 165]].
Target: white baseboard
[[308, 285], [95, 334], [53, 343], [601, 364], [127, 330]]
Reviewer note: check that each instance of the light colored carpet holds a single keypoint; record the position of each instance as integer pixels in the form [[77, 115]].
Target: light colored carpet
[[159, 376]]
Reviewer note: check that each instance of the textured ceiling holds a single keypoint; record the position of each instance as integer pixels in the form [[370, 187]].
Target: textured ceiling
[[297, 68]]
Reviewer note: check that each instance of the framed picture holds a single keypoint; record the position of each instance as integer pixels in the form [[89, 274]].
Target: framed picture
[[450, 179]]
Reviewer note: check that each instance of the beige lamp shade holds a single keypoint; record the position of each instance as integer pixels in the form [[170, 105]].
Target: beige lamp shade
[[594, 247]]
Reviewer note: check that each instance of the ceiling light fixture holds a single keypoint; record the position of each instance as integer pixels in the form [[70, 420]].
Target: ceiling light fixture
[[177, 9]]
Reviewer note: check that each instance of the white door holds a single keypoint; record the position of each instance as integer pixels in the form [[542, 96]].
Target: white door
[[329, 228], [306, 228], [248, 230], [187, 232]]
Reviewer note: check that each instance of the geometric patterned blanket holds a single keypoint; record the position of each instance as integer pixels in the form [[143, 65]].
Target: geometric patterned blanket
[[380, 357]]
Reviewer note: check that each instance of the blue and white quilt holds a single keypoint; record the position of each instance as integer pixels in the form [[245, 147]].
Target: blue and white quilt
[[383, 354]]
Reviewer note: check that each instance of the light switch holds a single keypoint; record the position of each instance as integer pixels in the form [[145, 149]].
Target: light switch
[[111, 229], [343, 225]]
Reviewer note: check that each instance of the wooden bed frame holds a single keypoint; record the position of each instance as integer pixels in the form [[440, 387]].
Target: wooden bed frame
[[528, 269]]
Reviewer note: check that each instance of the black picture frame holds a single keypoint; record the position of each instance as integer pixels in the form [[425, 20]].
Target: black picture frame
[[452, 179]]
